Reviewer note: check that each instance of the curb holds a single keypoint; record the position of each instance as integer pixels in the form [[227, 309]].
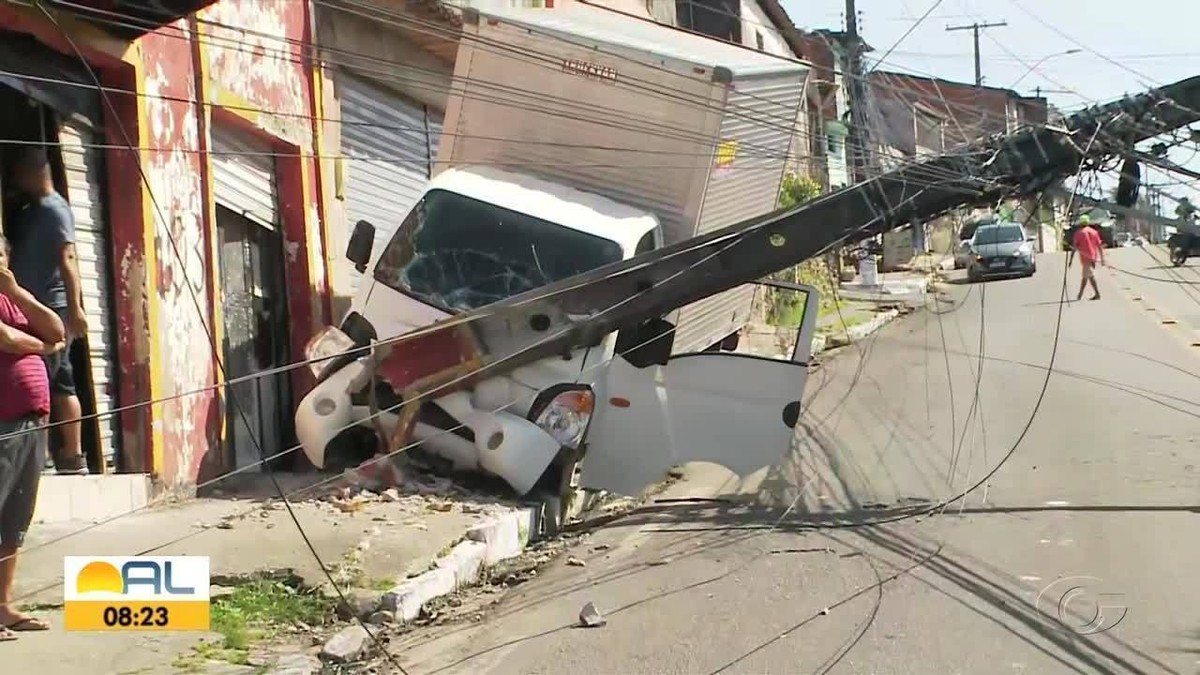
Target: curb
[[485, 545]]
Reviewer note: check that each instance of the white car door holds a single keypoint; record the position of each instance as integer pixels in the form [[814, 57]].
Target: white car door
[[732, 409]]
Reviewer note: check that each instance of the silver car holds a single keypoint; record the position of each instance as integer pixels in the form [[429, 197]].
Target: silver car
[[1001, 250]]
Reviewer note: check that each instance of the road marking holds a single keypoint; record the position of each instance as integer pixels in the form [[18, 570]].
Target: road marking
[[1065, 542], [1043, 541], [1028, 577], [1058, 503]]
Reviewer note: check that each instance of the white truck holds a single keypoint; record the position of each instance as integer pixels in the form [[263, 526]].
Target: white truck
[[573, 138]]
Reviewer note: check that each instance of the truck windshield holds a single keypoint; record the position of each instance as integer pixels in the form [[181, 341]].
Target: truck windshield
[[998, 234], [458, 253]]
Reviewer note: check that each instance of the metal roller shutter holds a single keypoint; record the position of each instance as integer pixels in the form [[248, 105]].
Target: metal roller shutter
[[386, 146], [763, 114], [81, 160], [244, 176]]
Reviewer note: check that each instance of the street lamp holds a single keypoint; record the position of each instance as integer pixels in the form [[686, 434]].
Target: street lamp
[[1040, 62]]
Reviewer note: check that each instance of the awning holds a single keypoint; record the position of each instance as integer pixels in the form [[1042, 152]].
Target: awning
[[131, 19], [51, 78]]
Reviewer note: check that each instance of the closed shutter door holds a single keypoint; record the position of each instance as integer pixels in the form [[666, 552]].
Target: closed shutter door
[[244, 176], [81, 159], [386, 146]]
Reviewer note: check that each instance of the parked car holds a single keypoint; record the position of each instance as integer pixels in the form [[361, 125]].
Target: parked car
[[1002, 250], [962, 250]]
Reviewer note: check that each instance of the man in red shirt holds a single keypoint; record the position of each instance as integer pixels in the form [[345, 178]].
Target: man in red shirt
[[1090, 247], [28, 331]]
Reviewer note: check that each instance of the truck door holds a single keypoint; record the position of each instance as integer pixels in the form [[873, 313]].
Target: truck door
[[734, 409]]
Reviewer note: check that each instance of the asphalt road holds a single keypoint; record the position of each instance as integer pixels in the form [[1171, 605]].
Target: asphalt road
[[1095, 505]]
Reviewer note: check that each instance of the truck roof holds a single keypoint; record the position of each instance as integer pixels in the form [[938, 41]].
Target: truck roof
[[596, 24], [567, 206]]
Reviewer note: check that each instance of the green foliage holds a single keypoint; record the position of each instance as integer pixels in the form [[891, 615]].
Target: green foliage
[[797, 189], [786, 308]]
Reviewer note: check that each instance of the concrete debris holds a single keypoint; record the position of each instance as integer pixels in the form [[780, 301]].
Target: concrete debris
[[676, 472], [590, 617], [601, 547], [575, 562], [380, 618], [347, 645], [358, 604], [216, 592], [225, 525], [825, 611]]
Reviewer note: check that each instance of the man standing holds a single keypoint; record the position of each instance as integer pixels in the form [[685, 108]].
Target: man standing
[[1090, 248], [28, 332], [44, 262]]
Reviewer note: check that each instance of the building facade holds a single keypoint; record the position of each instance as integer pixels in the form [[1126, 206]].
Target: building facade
[[193, 178]]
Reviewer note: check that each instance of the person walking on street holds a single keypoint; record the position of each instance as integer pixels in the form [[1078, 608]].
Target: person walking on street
[[1086, 242], [44, 262], [29, 331]]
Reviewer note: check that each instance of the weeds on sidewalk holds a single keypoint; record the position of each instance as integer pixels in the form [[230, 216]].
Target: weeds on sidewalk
[[257, 611]]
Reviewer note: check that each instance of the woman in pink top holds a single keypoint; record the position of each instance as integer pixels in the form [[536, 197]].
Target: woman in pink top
[[1090, 247], [28, 331]]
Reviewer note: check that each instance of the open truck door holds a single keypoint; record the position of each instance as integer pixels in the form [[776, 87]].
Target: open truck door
[[654, 412]]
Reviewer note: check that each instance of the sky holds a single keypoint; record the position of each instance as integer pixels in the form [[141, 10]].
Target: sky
[[1154, 42]]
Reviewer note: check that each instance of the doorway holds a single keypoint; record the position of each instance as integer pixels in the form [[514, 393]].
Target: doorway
[[255, 341], [26, 121]]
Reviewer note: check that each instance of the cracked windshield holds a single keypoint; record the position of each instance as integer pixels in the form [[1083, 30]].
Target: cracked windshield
[[667, 337], [458, 253]]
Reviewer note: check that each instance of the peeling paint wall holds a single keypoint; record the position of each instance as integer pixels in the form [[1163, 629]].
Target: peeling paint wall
[[252, 65], [257, 69], [182, 330]]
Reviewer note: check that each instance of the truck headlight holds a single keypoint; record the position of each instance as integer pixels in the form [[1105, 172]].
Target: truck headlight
[[325, 345], [566, 416]]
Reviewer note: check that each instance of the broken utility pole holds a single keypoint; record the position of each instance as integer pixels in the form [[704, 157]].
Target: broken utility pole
[[631, 296]]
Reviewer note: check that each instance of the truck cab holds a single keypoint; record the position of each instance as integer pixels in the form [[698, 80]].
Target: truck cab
[[480, 235]]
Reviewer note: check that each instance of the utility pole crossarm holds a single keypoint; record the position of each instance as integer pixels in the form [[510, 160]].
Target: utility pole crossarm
[[975, 28]]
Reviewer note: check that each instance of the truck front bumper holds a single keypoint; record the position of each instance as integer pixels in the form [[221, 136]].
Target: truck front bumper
[[328, 411]]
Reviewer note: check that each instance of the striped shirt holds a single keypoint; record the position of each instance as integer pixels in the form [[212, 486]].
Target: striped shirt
[[24, 384]]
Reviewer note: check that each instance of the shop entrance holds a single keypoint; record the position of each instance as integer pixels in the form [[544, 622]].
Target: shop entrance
[[70, 145]]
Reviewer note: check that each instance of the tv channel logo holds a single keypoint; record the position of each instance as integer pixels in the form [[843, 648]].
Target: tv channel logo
[[136, 593]]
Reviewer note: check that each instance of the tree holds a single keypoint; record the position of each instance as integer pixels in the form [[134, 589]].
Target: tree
[[794, 190]]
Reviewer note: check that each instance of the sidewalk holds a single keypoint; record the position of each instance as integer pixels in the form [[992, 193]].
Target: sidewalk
[[370, 541]]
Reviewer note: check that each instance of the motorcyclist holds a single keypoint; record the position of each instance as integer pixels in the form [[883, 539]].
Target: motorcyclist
[[1187, 237]]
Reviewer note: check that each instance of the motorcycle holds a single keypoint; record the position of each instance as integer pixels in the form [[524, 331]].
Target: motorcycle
[[1183, 245]]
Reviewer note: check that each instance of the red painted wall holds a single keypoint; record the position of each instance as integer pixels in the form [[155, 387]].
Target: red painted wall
[[252, 63]]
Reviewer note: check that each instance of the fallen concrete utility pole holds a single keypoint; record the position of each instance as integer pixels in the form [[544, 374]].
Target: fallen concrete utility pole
[[630, 296]]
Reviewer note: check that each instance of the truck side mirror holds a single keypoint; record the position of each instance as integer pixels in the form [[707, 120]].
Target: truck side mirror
[[362, 240]]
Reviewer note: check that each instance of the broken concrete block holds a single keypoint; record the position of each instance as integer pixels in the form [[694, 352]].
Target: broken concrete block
[[347, 645], [575, 562], [381, 617], [590, 617], [358, 603]]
